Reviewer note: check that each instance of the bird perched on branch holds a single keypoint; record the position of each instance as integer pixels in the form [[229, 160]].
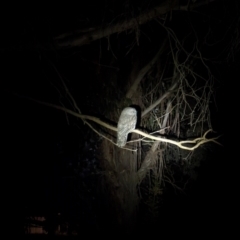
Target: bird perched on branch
[[126, 123]]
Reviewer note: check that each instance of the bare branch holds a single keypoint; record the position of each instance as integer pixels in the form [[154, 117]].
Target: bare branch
[[164, 96], [94, 33], [196, 142], [66, 88], [144, 70]]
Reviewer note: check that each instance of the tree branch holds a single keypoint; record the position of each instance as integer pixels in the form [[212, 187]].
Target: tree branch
[[144, 70], [69, 40], [197, 142]]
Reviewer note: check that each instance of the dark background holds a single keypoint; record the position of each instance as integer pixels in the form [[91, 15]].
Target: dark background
[[41, 150]]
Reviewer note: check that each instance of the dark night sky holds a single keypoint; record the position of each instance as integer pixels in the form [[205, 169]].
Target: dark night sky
[[31, 132]]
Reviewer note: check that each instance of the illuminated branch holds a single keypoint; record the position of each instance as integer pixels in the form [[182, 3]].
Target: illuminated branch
[[196, 142]]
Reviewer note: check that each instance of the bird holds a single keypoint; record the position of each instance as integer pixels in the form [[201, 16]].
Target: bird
[[126, 123]]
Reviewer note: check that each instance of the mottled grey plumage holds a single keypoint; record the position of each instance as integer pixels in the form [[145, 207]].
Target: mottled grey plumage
[[126, 123]]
